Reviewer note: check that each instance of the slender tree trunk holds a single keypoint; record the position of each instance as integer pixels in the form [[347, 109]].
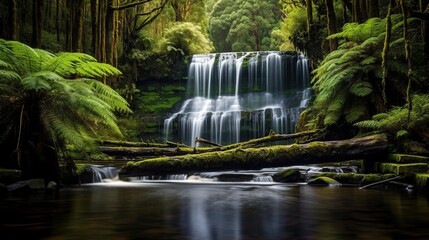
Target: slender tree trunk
[[13, 20], [177, 11], [69, 13], [36, 38], [101, 34], [407, 58], [94, 5], [57, 19], [356, 11], [363, 11], [424, 7], [77, 28], [373, 9], [332, 27], [309, 4], [386, 49]]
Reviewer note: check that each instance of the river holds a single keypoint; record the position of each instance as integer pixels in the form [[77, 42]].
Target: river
[[206, 211]]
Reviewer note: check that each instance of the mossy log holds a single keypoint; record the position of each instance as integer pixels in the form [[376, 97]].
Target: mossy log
[[146, 151], [257, 158], [123, 148]]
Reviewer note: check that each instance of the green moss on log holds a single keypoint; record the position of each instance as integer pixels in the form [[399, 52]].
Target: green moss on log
[[403, 169], [257, 158], [407, 158], [356, 178]]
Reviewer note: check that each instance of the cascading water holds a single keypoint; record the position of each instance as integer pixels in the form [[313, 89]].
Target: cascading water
[[238, 96]]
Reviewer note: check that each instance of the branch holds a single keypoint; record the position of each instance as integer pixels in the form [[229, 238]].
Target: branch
[[148, 20], [129, 5]]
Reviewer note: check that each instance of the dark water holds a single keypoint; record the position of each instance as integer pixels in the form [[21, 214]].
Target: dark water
[[214, 211]]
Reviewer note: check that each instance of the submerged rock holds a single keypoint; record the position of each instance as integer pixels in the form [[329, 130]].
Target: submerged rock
[[323, 181], [288, 175]]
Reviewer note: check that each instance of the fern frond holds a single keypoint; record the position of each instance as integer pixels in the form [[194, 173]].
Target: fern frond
[[356, 111], [65, 64], [368, 124], [401, 134], [96, 69], [361, 88], [40, 80], [106, 93], [380, 116], [25, 59]]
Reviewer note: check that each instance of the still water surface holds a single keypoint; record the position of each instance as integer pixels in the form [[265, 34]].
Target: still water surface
[[216, 211]]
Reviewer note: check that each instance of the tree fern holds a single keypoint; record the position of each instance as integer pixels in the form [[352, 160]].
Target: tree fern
[[347, 79], [395, 120], [56, 97]]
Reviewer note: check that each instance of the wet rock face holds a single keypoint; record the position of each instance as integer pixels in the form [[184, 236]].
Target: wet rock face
[[289, 175]]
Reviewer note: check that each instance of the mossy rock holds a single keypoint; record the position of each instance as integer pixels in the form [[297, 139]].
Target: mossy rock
[[8, 176], [357, 178], [323, 181], [407, 158], [422, 181], [403, 169], [288, 175]]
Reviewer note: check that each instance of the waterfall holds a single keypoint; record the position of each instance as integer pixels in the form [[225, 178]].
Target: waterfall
[[237, 96]]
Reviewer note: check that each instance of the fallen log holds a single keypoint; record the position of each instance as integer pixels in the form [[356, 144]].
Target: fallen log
[[145, 151], [257, 158], [115, 143], [131, 149]]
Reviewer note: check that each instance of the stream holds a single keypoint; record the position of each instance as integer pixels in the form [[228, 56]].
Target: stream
[[206, 210]]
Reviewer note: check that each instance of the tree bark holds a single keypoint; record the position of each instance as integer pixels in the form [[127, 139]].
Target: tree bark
[[257, 158], [13, 20], [373, 9], [77, 28], [309, 4], [356, 11], [332, 27], [424, 8], [36, 39]]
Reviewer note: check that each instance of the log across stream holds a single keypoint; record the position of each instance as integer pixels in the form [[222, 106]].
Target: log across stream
[[246, 157]]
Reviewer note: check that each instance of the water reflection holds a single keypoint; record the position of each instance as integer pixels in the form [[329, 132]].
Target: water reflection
[[211, 212]]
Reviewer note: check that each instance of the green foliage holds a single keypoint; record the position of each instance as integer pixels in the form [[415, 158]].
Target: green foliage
[[293, 30], [243, 25], [55, 95], [395, 120], [187, 39], [347, 81]]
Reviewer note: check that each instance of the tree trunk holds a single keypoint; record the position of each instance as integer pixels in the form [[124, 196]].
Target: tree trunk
[[36, 39], [77, 28], [94, 25], [177, 11], [363, 11], [332, 27], [263, 157], [57, 19], [309, 4], [13, 21], [101, 47], [373, 9], [356, 11], [424, 7]]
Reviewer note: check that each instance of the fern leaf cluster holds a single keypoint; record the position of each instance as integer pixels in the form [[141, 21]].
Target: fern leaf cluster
[[395, 120], [348, 79], [61, 90]]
